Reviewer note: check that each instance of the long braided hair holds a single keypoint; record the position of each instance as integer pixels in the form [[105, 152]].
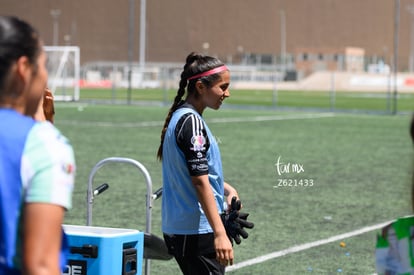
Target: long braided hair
[[195, 64]]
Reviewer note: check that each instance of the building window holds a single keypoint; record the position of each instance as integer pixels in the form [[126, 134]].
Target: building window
[[320, 56]]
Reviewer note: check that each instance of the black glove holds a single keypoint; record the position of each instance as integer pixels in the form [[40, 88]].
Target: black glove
[[235, 222]]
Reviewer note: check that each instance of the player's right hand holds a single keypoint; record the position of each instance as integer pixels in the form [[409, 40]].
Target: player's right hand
[[224, 249], [48, 105]]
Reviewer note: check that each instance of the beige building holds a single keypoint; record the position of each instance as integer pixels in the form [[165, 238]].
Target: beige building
[[347, 59], [230, 29]]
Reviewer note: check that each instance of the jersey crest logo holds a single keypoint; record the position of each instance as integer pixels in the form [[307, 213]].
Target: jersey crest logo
[[198, 143], [68, 168]]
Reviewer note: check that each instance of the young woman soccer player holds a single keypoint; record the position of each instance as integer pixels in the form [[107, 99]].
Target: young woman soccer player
[[36, 162], [193, 186]]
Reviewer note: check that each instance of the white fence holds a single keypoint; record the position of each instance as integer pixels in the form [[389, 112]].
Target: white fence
[[157, 75]]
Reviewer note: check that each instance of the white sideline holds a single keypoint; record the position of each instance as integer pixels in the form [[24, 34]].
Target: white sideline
[[305, 246], [269, 118], [212, 120]]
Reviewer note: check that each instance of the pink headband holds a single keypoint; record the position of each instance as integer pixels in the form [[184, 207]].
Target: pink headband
[[209, 72]]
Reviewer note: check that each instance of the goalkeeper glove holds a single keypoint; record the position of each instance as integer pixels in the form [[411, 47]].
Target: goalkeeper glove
[[234, 222]]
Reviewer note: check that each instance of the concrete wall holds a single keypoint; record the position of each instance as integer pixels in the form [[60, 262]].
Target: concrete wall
[[231, 27]]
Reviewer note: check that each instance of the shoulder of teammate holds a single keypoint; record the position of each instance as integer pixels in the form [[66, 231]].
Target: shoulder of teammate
[[48, 165], [46, 140], [46, 134], [191, 131]]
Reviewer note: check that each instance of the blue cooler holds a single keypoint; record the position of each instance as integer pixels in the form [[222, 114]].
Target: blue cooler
[[104, 250]]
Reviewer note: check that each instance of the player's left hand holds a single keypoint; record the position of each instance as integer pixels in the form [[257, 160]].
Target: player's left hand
[[234, 222]]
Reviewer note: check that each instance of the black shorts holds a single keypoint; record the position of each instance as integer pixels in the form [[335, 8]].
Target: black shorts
[[195, 254]]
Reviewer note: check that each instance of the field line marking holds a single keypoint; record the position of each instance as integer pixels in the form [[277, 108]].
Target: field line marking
[[212, 120], [305, 246], [112, 124], [269, 118]]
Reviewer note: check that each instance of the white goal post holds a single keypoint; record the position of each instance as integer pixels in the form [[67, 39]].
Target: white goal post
[[63, 65]]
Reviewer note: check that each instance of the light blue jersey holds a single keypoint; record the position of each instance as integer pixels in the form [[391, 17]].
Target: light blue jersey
[[181, 211]]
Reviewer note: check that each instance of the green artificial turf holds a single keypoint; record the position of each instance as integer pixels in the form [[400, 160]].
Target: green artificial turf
[[360, 166]]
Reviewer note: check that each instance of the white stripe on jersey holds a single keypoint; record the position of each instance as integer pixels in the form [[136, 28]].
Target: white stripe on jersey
[[197, 126], [192, 125]]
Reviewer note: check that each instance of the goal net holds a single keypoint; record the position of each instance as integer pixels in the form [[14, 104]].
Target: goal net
[[64, 72]]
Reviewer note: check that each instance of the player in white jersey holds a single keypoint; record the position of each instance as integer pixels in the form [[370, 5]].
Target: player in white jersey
[[37, 165]]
